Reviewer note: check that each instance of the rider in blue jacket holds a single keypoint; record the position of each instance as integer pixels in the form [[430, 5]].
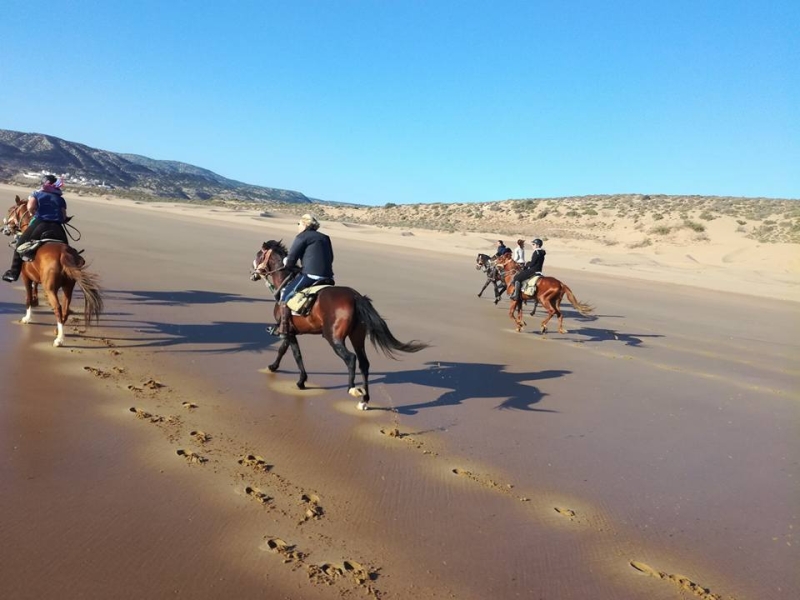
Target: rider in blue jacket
[[49, 210]]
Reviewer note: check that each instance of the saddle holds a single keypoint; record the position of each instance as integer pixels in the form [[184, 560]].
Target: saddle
[[529, 286], [28, 249], [303, 301]]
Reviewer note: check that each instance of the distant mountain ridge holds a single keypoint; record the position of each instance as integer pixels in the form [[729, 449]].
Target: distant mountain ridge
[[33, 152]]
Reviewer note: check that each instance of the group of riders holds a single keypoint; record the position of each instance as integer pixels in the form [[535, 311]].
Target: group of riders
[[311, 248], [528, 269]]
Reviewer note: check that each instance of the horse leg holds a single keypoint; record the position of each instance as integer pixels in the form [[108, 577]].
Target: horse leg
[[485, 285], [35, 294], [281, 351], [298, 358], [52, 298], [557, 307], [358, 338], [516, 314], [67, 288], [498, 291], [547, 304], [350, 360], [29, 287]]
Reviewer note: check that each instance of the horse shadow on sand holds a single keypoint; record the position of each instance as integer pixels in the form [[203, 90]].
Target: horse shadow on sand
[[183, 297], [232, 335], [472, 381], [596, 334]]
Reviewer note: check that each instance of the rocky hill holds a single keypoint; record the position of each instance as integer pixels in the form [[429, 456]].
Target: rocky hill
[[128, 174]]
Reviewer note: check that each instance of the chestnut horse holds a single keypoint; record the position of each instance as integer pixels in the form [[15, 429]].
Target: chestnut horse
[[549, 293], [338, 312], [487, 264], [57, 267]]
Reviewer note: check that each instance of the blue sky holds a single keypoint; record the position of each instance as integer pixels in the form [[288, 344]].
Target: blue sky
[[423, 101]]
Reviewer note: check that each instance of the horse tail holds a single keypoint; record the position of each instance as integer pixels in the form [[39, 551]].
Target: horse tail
[[89, 284], [378, 330], [582, 307]]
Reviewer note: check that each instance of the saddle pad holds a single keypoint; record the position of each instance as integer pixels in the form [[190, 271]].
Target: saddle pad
[[529, 286], [34, 244], [300, 298]]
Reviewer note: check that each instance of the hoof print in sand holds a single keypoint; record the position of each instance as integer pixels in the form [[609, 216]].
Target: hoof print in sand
[[313, 509], [190, 405], [257, 495], [192, 457], [289, 552], [330, 572], [684, 582], [97, 372], [256, 462], [565, 512], [200, 436], [483, 480], [393, 432], [144, 415], [133, 388], [152, 384]]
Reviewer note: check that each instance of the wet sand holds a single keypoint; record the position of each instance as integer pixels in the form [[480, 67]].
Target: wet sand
[[650, 452]]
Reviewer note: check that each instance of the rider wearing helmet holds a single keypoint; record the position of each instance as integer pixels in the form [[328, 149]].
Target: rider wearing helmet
[[49, 212], [534, 267]]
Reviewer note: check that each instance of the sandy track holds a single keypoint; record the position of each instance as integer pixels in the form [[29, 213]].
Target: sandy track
[[647, 451]]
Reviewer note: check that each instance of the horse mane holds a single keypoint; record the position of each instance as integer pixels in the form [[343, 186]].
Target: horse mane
[[277, 246]]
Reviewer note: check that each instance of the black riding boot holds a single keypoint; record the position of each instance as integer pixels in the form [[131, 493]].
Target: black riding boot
[[285, 326], [16, 266], [517, 288]]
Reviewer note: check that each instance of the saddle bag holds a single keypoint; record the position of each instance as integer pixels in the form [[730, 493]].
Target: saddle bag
[[303, 301]]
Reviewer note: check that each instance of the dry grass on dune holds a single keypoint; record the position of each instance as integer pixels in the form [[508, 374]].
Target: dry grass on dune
[[676, 219], [655, 219]]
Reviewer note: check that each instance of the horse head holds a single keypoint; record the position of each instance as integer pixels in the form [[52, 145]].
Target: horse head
[[17, 217], [268, 264]]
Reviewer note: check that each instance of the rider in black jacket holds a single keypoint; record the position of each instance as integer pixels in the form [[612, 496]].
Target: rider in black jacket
[[315, 253], [534, 267]]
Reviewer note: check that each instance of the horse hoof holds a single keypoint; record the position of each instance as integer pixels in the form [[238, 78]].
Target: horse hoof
[[301, 385], [25, 320], [357, 392], [57, 343], [273, 368], [363, 406]]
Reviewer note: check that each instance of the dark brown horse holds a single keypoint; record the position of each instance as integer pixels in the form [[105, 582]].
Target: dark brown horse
[[549, 293], [338, 312], [57, 267], [494, 276]]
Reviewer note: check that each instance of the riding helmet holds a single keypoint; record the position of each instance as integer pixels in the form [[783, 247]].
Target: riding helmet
[[537, 242]]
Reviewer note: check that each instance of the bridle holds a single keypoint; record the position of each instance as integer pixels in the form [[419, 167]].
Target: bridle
[[260, 270], [15, 222]]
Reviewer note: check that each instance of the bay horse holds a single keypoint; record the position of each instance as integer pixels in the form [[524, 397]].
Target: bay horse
[[487, 264], [549, 293], [338, 312], [56, 267]]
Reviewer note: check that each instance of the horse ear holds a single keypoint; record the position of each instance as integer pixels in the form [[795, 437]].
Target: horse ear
[[17, 200]]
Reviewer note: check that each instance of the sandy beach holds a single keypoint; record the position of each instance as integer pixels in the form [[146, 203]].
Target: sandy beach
[[648, 453]]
